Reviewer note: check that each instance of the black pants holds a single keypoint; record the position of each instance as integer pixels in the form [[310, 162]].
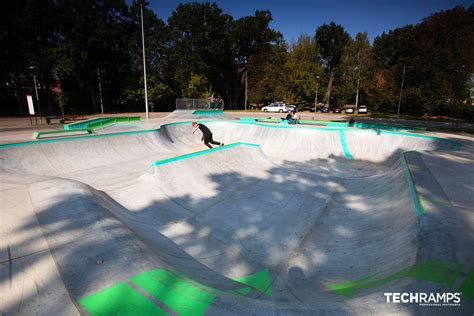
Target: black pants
[[208, 139]]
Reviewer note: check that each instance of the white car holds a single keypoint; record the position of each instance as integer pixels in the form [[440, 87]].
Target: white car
[[362, 109], [275, 107], [349, 110]]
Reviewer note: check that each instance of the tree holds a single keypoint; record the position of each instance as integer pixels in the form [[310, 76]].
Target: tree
[[331, 40], [303, 65], [252, 40], [356, 70], [199, 44]]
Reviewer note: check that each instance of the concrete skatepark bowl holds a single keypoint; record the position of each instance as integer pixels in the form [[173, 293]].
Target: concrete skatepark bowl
[[280, 220]]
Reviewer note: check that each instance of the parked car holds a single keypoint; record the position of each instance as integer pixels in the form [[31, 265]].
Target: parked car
[[336, 109], [275, 107], [349, 110], [291, 107], [362, 109], [325, 109]]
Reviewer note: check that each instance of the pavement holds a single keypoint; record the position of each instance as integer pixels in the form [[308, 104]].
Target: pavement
[[143, 219]]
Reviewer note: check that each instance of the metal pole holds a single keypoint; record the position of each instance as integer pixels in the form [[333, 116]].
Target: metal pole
[[357, 94], [37, 100], [401, 91], [144, 64], [245, 89], [316, 98], [100, 91]]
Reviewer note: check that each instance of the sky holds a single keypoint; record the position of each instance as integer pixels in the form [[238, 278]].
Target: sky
[[295, 17]]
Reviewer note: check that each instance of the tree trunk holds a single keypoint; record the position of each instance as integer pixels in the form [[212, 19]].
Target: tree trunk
[[330, 86]]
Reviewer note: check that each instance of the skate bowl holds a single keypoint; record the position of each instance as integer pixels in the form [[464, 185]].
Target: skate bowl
[[279, 220]]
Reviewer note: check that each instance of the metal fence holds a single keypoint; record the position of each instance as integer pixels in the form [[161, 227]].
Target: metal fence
[[199, 104]]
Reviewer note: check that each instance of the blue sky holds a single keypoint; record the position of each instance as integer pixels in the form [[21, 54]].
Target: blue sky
[[293, 17]]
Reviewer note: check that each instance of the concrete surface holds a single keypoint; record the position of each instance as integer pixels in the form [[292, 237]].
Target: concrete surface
[[81, 215]]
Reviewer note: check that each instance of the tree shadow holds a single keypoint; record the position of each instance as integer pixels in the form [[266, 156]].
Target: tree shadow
[[310, 226]]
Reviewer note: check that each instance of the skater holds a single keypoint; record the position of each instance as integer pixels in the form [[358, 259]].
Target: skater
[[206, 134]]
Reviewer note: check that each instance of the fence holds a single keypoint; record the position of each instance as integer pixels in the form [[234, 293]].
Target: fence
[[199, 104]]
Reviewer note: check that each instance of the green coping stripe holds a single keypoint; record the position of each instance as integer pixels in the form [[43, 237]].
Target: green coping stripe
[[202, 152], [342, 137], [467, 286], [442, 273], [101, 122], [411, 187], [208, 112], [456, 144], [120, 299], [87, 137]]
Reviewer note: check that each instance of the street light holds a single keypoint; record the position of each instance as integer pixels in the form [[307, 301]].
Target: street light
[[318, 80], [36, 91], [144, 65], [357, 93], [401, 92]]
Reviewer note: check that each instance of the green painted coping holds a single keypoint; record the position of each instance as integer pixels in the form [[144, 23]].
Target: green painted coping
[[179, 295], [442, 273], [208, 112], [420, 210], [37, 135], [457, 145], [199, 153], [342, 137], [120, 299], [467, 286], [101, 122]]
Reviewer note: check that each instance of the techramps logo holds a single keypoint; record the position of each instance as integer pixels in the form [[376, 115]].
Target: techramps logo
[[425, 299]]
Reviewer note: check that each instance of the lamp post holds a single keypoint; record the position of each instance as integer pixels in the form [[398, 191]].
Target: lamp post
[[100, 91], [36, 92], [246, 90], [401, 91], [357, 93], [144, 64], [318, 80]]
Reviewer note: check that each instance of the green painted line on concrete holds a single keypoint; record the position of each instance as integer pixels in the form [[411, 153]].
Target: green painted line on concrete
[[239, 292], [101, 122], [208, 112], [467, 286], [199, 153], [120, 299], [174, 289], [179, 295], [425, 199], [457, 145], [259, 280], [57, 140], [411, 187], [442, 273], [342, 137]]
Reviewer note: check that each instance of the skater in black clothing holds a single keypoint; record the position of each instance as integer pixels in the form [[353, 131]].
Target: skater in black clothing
[[206, 134]]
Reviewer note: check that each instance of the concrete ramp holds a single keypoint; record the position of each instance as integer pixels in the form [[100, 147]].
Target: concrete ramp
[[279, 220]]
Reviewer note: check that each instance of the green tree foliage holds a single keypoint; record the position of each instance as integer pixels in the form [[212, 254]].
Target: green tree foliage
[[331, 40], [355, 70], [200, 49], [437, 54], [303, 67]]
